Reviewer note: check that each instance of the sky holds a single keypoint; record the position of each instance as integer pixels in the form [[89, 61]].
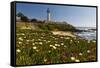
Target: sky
[[74, 15]]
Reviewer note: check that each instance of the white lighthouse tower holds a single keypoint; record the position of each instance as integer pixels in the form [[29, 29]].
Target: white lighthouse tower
[[48, 15]]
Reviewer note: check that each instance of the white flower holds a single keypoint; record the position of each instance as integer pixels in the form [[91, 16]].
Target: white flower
[[40, 43], [50, 45], [27, 40], [37, 50], [20, 38], [22, 34], [88, 41], [18, 50], [72, 58], [45, 60], [33, 43], [88, 51], [39, 39], [94, 41], [65, 46], [20, 42], [25, 37], [78, 41], [44, 40], [77, 60], [56, 44], [54, 47], [34, 47], [48, 41], [49, 51], [62, 43], [61, 37], [32, 40], [71, 40], [80, 54]]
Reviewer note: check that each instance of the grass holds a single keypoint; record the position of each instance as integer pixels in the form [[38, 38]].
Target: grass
[[42, 47]]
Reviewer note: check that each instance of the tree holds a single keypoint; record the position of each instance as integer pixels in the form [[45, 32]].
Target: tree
[[23, 17], [34, 20], [20, 14]]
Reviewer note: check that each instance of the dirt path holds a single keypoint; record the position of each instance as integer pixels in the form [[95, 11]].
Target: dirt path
[[63, 33]]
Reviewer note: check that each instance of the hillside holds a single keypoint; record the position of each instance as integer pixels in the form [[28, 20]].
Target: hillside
[[45, 26]]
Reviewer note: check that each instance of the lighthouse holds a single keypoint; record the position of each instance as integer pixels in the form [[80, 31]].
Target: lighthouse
[[48, 14]]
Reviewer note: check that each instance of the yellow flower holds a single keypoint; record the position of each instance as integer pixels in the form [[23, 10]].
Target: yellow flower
[[39, 39], [22, 34], [27, 40], [48, 41], [18, 50], [88, 51], [50, 45], [88, 41], [45, 60], [62, 43], [54, 47], [34, 47], [37, 50], [20, 42], [56, 44], [33, 43], [94, 41], [80, 54], [20, 38], [49, 51], [61, 37], [32, 40], [40, 43], [71, 40], [78, 41], [72, 58], [77, 60]]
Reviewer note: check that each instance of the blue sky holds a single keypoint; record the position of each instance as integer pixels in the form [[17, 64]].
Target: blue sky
[[77, 16]]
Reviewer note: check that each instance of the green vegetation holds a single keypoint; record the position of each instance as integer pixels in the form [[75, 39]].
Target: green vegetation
[[42, 47], [47, 26]]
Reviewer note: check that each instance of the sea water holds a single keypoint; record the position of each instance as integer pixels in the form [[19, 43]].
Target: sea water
[[89, 35]]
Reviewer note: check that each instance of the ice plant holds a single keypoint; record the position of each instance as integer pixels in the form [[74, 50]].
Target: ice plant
[[22, 34], [72, 58], [80, 54], [34, 47], [50, 45], [33, 43], [88, 51], [27, 40], [54, 47], [45, 60], [20, 42], [62, 43], [18, 50], [56, 44], [40, 43], [37, 50], [20, 38], [88, 41], [77, 60]]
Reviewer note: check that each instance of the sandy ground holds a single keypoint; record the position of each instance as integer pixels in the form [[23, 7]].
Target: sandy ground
[[63, 33]]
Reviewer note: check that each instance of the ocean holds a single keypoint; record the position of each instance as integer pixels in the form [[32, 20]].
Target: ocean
[[88, 34]]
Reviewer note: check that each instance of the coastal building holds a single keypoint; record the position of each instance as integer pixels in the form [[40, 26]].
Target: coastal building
[[18, 19], [48, 15]]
